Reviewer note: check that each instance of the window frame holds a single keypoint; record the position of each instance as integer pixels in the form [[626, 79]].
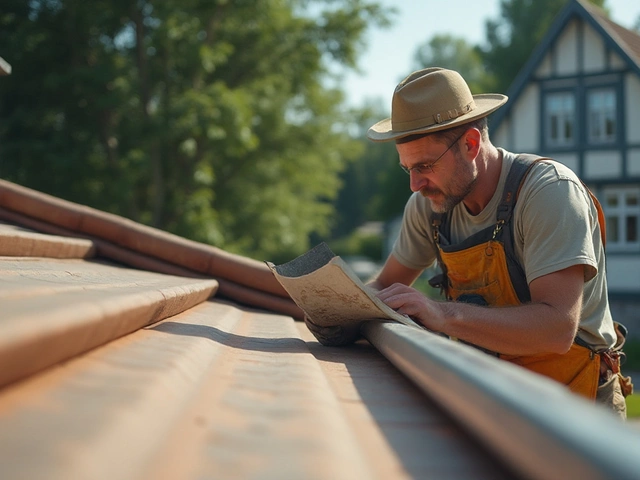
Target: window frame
[[618, 216], [563, 115], [607, 112]]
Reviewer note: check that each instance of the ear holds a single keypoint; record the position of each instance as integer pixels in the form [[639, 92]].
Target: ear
[[472, 142]]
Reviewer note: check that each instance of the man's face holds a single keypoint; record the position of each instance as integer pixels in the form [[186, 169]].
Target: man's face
[[448, 181]]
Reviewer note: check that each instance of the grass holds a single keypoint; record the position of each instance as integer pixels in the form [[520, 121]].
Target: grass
[[633, 406], [632, 364]]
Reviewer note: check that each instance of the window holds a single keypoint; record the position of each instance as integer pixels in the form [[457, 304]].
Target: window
[[560, 119], [622, 211], [601, 116]]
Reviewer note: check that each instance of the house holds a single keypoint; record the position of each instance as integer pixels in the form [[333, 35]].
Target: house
[[577, 100]]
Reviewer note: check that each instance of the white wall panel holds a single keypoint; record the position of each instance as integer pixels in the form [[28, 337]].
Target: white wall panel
[[616, 61], [570, 160], [526, 126], [607, 164], [594, 51], [567, 50], [623, 273], [500, 137], [544, 69], [632, 97], [633, 162]]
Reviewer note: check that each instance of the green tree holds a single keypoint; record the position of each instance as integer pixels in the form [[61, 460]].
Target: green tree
[[369, 192], [206, 118], [512, 38], [456, 54]]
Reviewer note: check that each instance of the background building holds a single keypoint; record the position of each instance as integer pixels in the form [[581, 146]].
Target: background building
[[577, 100]]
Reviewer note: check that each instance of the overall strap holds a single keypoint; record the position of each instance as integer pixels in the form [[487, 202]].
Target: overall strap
[[517, 173], [441, 226], [439, 281]]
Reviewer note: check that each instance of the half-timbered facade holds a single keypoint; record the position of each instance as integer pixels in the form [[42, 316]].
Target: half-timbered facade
[[577, 100]]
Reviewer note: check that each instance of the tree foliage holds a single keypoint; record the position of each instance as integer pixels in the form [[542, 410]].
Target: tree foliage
[[206, 118], [457, 54], [366, 179]]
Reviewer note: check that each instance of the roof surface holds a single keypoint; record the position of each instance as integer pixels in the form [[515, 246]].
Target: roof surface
[[129, 353], [125, 357]]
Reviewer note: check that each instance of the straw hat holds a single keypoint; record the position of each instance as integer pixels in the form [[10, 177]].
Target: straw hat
[[430, 100]]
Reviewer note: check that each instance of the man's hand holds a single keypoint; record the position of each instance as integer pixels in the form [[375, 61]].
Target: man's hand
[[409, 301], [335, 336]]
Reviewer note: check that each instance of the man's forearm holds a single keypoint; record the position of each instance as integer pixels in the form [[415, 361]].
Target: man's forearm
[[518, 330]]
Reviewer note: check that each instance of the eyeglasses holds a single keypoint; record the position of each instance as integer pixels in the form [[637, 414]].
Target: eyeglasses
[[428, 167]]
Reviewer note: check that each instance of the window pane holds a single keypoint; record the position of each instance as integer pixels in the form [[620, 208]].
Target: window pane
[[610, 128], [612, 201], [560, 113], [631, 199], [553, 128], [632, 229], [612, 229], [568, 129], [601, 115]]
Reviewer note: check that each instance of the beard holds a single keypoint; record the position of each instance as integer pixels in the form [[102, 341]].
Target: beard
[[455, 189]]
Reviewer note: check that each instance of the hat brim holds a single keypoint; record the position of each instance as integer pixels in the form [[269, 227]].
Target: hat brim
[[486, 103]]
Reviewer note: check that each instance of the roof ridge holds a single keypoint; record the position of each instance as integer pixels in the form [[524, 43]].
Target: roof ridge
[[628, 39]]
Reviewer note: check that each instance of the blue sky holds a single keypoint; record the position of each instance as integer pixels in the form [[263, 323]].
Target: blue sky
[[388, 57]]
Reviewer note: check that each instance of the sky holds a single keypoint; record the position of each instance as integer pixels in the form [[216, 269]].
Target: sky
[[389, 55]]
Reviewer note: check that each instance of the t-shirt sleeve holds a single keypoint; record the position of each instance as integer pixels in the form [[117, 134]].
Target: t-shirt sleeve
[[556, 227], [414, 247]]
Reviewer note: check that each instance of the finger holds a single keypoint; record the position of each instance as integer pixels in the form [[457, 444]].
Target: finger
[[397, 300], [392, 290]]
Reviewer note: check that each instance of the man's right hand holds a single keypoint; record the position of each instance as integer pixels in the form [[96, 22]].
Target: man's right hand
[[334, 336]]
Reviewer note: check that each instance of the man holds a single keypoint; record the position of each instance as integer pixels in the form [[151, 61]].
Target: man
[[518, 239]]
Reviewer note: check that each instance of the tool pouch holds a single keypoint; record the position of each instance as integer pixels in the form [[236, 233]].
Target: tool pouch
[[613, 359]]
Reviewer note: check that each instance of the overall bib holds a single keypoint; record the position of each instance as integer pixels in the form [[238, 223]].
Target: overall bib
[[483, 270]]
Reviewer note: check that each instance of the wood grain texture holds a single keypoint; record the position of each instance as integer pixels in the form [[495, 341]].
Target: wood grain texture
[[51, 310]]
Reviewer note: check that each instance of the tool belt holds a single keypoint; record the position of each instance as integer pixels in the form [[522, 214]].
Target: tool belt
[[612, 359]]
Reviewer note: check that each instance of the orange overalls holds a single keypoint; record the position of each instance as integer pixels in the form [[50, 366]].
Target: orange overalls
[[483, 269]]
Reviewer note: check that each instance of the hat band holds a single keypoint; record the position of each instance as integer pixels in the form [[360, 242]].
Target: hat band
[[440, 117]]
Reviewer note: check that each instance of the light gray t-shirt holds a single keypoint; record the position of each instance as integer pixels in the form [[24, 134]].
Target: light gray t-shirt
[[556, 227]]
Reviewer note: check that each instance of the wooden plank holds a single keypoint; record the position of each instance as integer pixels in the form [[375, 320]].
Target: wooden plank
[[238, 292], [533, 424], [212, 393], [52, 310], [21, 242], [222, 392], [402, 433], [200, 257]]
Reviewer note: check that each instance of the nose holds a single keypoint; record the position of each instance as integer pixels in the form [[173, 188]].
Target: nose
[[417, 181]]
